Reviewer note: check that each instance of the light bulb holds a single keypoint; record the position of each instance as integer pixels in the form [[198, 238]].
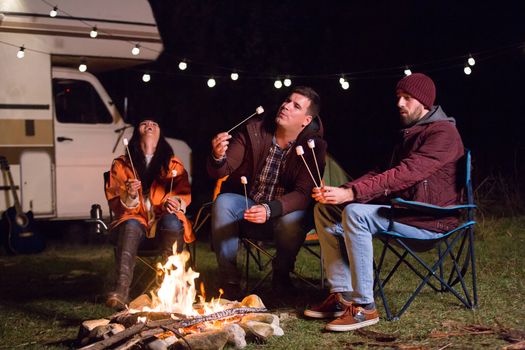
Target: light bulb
[[135, 50], [53, 12], [211, 82], [183, 65], [82, 67], [342, 80], [146, 77], [471, 61], [93, 32], [407, 71], [21, 53], [234, 76], [345, 85], [467, 70], [287, 82], [278, 84]]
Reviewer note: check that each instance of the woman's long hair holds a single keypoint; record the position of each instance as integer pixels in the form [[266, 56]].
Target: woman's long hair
[[159, 163]]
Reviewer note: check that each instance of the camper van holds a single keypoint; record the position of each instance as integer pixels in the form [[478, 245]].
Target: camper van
[[59, 129]]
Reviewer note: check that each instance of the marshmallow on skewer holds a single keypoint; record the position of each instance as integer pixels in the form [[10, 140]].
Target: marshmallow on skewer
[[311, 145], [244, 182], [258, 110], [173, 175], [126, 143], [300, 152]]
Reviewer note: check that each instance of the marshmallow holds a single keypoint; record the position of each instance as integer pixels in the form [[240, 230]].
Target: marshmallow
[[173, 173], [299, 150], [311, 143], [259, 110], [244, 180], [125, 141]]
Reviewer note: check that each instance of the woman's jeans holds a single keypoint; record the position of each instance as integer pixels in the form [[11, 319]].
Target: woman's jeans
[[345, 235], [228, 226]]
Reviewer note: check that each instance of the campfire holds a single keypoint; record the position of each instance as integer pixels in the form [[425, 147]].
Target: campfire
[[171, 319]]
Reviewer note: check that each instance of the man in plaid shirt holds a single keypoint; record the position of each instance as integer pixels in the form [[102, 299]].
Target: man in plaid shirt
[[279, 186]]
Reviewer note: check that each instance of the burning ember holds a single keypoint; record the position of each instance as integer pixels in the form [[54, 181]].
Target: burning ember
[[171, 316]]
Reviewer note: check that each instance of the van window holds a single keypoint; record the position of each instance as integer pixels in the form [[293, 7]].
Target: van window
[[77, 101]]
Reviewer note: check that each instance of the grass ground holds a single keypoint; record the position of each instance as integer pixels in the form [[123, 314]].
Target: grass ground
[[45, 297]]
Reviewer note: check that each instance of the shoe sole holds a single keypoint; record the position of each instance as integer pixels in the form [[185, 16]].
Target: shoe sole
[[350, 327], [319, 314]]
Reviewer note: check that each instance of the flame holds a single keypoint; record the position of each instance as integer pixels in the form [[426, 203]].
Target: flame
[[177, 293]]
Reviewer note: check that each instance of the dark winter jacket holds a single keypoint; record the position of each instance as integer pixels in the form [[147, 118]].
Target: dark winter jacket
[[247, 154], [424, 169]]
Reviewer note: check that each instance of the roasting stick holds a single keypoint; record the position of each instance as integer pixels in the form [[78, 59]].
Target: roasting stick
[[125, 142], [244, 182], [300, 151], [258, 110], [311, 145], [173, 174]]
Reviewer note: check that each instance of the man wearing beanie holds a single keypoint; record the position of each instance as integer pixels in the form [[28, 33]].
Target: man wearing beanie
[[424, 170]]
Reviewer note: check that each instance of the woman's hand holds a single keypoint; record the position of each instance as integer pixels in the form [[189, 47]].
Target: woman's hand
[[132, 187], [172, 205]]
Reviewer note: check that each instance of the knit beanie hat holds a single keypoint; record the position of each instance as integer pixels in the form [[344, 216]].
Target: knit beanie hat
[[420, 87]]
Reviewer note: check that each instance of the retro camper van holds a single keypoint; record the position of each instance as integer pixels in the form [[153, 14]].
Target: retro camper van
[[59, 129]]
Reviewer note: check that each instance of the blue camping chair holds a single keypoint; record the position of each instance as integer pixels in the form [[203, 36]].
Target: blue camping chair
[[455, 251]]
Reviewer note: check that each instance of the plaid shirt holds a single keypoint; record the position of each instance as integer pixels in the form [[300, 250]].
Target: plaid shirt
[[266, 187]]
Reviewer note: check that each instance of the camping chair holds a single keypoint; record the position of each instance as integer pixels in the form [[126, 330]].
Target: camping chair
[[447, 272], [258, 251]]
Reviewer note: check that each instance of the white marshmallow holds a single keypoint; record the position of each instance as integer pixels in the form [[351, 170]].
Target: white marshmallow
[[259, 110], [244, 180], [125, 141], [299, 150], [173, 173], [311, 143]]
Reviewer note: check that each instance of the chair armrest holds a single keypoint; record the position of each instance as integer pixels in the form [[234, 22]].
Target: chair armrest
[[430, 208]]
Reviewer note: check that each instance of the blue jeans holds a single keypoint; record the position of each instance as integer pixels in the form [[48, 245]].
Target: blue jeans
[[345, 236], [227, 225]]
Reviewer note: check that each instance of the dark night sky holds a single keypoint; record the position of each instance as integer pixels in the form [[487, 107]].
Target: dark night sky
[[312, 40]]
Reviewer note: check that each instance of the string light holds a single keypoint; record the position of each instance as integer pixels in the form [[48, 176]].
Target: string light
[[94, 32], [407, 71], [467, 70], [345, 85], [83, 66], [211, 82], [342, 79], [471, 61], [146, 77], [183, 65], [135, 50], [287, 82], [53, 12], [21, 53], [278, 84], [234, 76]]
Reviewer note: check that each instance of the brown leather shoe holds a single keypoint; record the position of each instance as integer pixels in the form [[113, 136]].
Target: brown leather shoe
[[330, 308], [354, 317], [116, 301]]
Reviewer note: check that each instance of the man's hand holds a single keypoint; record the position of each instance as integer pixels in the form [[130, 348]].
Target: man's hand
[[256, 214], [219, 144], [172, 205], [132, 187], [332, 195]]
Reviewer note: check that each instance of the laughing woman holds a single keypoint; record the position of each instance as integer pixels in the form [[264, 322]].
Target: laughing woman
[[148, 194]]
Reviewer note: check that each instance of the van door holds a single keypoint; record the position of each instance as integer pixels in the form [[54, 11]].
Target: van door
[[85, 123]]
